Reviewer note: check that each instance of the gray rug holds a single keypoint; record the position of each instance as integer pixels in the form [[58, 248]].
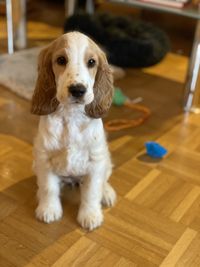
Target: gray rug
[[18, 72]]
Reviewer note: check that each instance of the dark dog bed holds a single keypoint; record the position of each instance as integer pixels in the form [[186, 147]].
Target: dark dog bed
[[128, 42]]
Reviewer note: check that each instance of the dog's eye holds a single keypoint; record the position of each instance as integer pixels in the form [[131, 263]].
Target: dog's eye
[[61, 61], [91, 63]]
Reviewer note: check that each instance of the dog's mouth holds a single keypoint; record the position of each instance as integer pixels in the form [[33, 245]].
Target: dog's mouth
[[81, 101], [77, 101]]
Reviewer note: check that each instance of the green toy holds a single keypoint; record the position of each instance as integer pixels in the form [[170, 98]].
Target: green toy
[[119, 98]]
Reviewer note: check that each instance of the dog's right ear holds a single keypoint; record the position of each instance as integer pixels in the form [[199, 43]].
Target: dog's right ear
[[44, 99]]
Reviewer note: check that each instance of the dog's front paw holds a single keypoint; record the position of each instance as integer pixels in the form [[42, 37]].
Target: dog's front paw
[[109, 196], [49, 212], [90, 218]]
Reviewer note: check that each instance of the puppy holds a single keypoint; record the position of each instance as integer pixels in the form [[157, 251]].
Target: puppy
[[74, 89]]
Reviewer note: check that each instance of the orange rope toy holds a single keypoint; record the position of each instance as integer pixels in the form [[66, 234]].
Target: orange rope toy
[[121, 124]]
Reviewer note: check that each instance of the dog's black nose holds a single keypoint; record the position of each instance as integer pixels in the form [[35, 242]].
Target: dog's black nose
[[77, 90]]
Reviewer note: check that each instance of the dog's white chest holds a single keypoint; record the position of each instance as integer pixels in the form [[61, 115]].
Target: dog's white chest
[[72, 142], [72, 156], [75, 142], [78, 154]]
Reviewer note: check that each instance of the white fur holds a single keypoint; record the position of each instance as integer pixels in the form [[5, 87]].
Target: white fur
[[70, 144], [63, 148]]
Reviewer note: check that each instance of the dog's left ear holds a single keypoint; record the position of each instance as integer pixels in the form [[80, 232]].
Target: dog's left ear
[[103, 89]]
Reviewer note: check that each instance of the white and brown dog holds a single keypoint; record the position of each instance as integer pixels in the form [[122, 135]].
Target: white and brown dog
[[74, 90]]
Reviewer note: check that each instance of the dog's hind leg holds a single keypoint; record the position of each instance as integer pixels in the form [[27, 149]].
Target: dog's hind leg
[[108, 193]]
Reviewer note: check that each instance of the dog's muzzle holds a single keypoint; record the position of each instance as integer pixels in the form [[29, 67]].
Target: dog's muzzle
[[77, 90]]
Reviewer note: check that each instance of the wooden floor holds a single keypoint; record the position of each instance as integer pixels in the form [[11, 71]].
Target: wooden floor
[[156, 221]]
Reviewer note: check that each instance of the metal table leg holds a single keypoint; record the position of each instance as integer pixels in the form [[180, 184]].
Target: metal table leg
[[20, 32], [71, 4], [90, 6], [192, 89], [9, 26], [69, 7]]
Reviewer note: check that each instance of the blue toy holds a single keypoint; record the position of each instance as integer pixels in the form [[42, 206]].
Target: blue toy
[[155, 150]]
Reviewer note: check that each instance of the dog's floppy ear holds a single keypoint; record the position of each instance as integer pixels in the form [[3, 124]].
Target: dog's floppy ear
[[103, 89], [44, 99]]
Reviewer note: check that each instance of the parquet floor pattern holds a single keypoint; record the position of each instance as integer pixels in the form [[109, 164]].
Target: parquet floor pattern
[[156, 221]]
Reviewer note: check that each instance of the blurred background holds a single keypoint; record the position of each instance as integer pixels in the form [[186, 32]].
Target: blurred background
[[45, 20]]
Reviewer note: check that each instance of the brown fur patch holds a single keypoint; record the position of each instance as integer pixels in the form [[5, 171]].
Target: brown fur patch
[[44, 99], [103, 87]]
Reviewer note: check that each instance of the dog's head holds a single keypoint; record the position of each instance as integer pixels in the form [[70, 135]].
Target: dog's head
[[73, 70]]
